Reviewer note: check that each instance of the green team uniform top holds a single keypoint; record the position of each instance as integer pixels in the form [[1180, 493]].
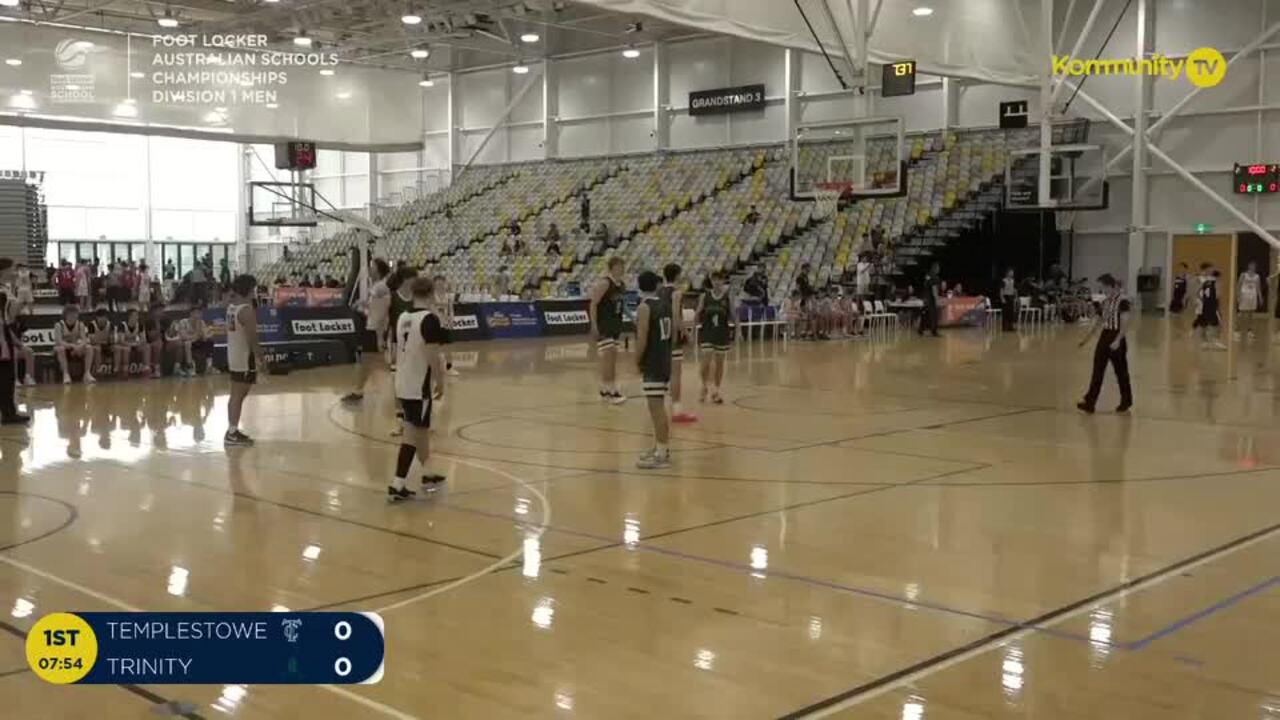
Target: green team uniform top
[[655, 365], [609, 311], [715, 319], [668, 293], [399, 306]]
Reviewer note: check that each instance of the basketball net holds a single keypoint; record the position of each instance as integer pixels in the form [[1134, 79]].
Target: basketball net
[[826, 199]]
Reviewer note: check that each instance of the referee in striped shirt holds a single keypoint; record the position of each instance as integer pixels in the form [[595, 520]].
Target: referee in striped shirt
[[1112, 347]]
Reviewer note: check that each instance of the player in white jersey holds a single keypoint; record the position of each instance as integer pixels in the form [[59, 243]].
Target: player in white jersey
[[71, 339], [420, 335], [244, 354], [1249, 298], [444, 307]]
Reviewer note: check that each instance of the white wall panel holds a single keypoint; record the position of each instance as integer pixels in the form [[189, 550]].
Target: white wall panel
[[922, 111], [631, 81], [1209, 142], [526, 143], [584, 139], [697, 65], [631, 134], [584, 87], [435, 106], [530, 106], [1093, 255], [482, 97], [435, 151]]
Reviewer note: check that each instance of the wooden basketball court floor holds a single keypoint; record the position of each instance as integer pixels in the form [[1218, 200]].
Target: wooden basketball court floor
[[908, 529]]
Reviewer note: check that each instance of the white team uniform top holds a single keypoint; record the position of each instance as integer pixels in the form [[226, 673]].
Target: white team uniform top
[[1250, 292], [413, 356], [237, 340], [70, 335], [379, 305]]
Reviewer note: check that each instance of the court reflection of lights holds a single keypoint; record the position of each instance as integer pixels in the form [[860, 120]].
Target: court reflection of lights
[[178, 581], [704, 660], [83, 489], [913, 709], [1100, 622], [532, 557], [1011, 671], [543, 613], [279, 608], [630, 531], [759, 560], [564, 699], [230, 698], [311, 553], [815, 628], [911, 591], [522, 506], [335, 501], [22, 607]]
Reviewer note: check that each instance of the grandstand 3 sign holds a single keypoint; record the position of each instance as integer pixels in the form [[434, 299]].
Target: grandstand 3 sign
[[726, 100]]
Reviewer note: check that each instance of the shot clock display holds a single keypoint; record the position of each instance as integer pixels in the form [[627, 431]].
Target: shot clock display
[[332, 648], [898, 79], [1256, 179], [295, 155]]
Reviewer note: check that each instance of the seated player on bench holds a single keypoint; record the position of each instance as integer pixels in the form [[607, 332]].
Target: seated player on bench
[[71, 340], [194, 335], [131, 340]]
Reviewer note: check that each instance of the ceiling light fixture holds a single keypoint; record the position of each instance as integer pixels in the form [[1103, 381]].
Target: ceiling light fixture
[[426, 82], [410, 19], [13, 62], [137, 74], [420, 53], [168, 21], [520, 69], [327, 72], [302, 40], [922, 11], [126, 109], [343, 95], [9, 3], [631, 53], [530, 37], [272, 106]]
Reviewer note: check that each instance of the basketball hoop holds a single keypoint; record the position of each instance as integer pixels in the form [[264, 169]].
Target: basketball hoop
[[826, 198]]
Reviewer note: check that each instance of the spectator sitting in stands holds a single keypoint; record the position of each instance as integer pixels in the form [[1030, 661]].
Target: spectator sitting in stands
[[331, 282], [517, 246], [553, 247], [601, 235], [514, 228], [505, 250], [757, 287], [752, 216], [553, 235], [306, 282]]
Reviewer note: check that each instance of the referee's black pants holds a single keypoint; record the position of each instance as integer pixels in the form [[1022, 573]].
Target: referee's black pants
[[1119, 359], [928, 319], [1009, 311], [8, 380]]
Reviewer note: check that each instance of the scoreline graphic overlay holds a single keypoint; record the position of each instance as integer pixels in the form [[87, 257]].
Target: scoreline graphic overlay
[[266, 648]]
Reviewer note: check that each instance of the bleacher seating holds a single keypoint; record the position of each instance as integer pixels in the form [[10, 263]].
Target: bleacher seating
[[685, 207]]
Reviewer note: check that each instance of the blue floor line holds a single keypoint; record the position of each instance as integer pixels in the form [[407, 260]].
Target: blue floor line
[[1202, 614]]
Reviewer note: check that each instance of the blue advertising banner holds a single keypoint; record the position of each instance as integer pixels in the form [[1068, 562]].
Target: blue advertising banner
[[512, 319], [207, 648], [270, 328]]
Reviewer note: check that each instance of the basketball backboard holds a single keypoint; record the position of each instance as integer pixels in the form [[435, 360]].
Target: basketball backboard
[[282, 204], [860, 157]]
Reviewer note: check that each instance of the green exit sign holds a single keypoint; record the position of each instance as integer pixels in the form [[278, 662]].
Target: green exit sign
[[1203, 228]]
